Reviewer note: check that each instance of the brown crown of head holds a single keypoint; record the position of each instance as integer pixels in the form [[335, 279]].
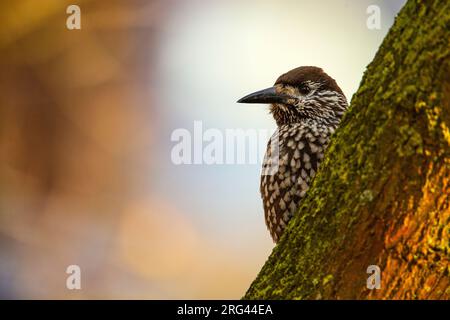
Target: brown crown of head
[[296, 77]]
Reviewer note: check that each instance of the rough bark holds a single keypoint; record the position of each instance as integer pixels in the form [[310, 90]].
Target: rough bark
[[382, 194]]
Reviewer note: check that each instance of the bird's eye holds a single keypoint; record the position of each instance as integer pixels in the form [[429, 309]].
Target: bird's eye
[[304, 89]]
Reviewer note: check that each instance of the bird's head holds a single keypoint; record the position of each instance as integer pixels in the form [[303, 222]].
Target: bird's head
[[300, 94]]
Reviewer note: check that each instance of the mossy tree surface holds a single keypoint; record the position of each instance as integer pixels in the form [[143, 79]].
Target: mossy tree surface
[[382, 194]]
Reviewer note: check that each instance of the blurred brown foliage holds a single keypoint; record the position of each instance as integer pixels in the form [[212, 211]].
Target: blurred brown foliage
[[71, 129]]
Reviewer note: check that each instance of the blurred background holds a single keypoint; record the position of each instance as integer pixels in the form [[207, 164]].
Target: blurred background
[[86, 117]]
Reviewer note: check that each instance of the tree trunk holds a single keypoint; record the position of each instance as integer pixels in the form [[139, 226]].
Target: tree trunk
[[382, 194]]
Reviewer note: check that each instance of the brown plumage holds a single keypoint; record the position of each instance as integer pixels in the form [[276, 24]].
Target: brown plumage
[[307, 106]]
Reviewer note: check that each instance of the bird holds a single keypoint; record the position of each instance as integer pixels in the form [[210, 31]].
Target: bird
[[307, 105]]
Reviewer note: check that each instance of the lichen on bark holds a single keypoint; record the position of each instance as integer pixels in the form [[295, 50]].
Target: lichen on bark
[[382, 194]]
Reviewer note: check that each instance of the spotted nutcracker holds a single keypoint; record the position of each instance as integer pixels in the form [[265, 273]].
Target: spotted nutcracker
[[307, 105]]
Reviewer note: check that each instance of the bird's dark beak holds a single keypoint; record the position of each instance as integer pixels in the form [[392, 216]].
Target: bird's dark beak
[[268, 95]]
